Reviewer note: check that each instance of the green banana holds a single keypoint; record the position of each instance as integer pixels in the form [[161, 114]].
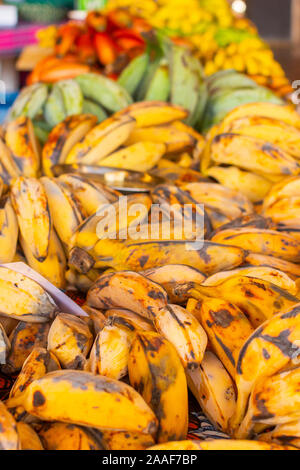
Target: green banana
[[132, 75], [159, 86], [141, 91], [36, 101], [54, 110], [232, 80], [197, 116], [90, 107], [18, 107], [72, 96], [104, 91]]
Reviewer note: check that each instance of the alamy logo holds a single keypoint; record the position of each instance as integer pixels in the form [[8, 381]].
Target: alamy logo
[[2, 92]]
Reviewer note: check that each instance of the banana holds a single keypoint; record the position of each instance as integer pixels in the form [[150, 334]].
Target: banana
[[211, 258], [171, 276], [82, 398], [279, 278], [24, 299], [261, 241], [101, 140], [9, 438], [287, 188], [63, 436], [251, 185], [72, 96], [24, 338], [29, 440], [141, 156], [33, 94], [272, 130], [182, 330], [63, 137], [53, 267], [78, 281], [30, 203], [104, 91], [274, 400], [153, 113], [128, 319], [257, 298], [285, 212], [110, 352], [218, 444], [90, 107], [8, 167], [69, 340], [9, 324], [156, 372], [269, 349], [114, 440], [292, 269], [65, 209], [133, 73], [288, 433], [252, 154], [9, 231], [128, 290], [159, 86], [92, 196], [226, 326], [213, 388], [38, 363], [23, 144], [54, 109], [175, 140], [4, 345]]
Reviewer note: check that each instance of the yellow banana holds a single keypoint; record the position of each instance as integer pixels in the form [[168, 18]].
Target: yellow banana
[[21, 140], [153, 113], [78, 281], [4, 345], [171, 276], [213, 388], [226, 326], [29, 440], [141, 156], [97, 317], [129, 290], [156, 372], [24, 299], [101, 140], [255, 259], [258, 299], [9, 438], [82, 398], [217, 444], [66, 211], [8, 232], [69, 340], [288, 433], [183, 330], [114, 440], [63, 436], [253, 186], [128, 319], [30, 203], [274, 400], [270, 348], [288, 187], [252, 154], [262, 241], [8, 168], [285, 212], [63, 138]]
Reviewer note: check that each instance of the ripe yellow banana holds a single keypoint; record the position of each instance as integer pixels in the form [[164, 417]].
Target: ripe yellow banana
[[78, 281], [255, 259], [270, 348], [9, 230], [69, 340], [97, 318], [8, 168], [171, 276], [63, 436], [153, 113], [262, 241], [128, 319], [274, 400], [156, 372], [258, 299], [66, 211], [183, 330], [82, 398], [22, 142], [63, 138], [30, 203], [141, 156], [288, 187], [101, 140], [129, 290], [24, 338], [24, 299], [114, 440], [217, 444], [9, 438], [253, 186], [252, 154], [29, 440], [226, 326], [4, 345], [214, 390], [288, 433]]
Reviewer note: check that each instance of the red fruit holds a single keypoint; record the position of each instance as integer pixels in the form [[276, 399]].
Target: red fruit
[[106, 48]]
